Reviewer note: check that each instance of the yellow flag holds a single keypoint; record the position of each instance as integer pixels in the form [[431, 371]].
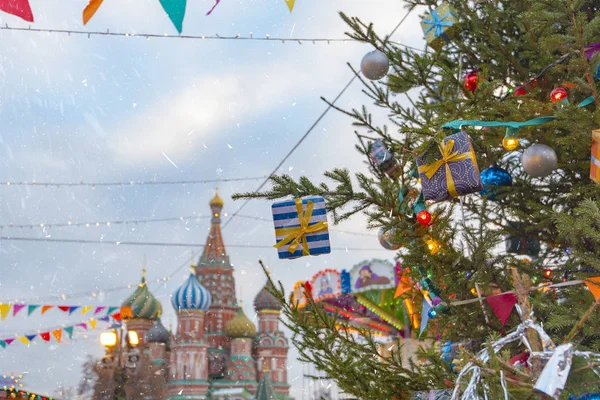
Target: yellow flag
[[4, 309], [290, 4], [23, 340], [93, 323], [85, 309]]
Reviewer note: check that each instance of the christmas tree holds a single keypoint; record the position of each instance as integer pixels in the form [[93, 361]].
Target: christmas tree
[[506, 92]]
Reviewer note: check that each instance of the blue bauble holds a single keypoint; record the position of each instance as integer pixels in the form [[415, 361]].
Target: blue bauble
[[432, 313], [492, 178], [589, 396]]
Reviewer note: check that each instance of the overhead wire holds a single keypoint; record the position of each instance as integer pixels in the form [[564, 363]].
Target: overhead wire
[[127, 184]]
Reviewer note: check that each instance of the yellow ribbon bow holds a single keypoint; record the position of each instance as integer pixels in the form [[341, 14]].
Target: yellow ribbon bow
[[447, 157], [297, 235]]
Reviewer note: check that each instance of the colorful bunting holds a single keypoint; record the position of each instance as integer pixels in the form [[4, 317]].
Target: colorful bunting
[[57, 334], [424, 316], [4, 309], [85, 309], [30, 337], [83, 325], [502, 305], [23, 339], [45, 336], [31, 308], [72, 308], [117, 316], [69, 330], [3, 344], [46, 308], [403, 286], [593, 284], [64, 308], [90, 10], [126, 312], [175, 9], [99, 309], [290, 4], [213, 7], [9, 341], [17, 308], [111, 310], [93, 323], [19, 8]]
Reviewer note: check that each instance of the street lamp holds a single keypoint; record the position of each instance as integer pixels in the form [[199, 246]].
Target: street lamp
[[121, 355], [132, 338], [108, 339]]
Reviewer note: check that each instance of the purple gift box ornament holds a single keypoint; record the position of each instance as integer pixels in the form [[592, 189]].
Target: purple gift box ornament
[[591, 50]]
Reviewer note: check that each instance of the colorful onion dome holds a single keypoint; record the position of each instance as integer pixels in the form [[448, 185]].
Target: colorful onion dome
[[158, 333], [264, 300], [216, 201], [143, 304], [240, 326], [191, 296]]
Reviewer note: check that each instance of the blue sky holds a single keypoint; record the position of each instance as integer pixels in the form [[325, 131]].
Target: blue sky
[[114, 109]]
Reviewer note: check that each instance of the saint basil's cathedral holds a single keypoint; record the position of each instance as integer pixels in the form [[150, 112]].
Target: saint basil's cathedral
[[216, 352]]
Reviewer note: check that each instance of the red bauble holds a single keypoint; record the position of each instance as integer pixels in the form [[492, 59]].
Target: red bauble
[[548, 273], [558, 94], [520, 91], [424, 217], [471, 81]]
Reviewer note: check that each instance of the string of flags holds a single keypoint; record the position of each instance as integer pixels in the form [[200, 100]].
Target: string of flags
[[175, 10], [58, 334], [6, 308]]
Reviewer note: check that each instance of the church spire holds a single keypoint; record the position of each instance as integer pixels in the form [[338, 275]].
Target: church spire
[[214, 251]]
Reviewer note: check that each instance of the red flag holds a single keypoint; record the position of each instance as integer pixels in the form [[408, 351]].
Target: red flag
[[502, 305], [45, 336], [64, 308], [593, 284], [117, 316], [19, 8]]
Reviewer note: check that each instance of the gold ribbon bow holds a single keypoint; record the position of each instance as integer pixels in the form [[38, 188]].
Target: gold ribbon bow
[[297, 235], [447, 157]]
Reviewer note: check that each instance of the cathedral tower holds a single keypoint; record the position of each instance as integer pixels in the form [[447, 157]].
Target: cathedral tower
[[271, 346], [216, 274], [188, 375]]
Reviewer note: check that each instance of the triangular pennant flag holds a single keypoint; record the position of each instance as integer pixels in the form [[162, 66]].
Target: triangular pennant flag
[[72, 308], [502, 305], [4, 309], [106, 318], [19, 8], [213, 7], [126, 312], [111, 310], [45, 308], [23, 339], [17, 308], [290, 4], [45, 336], [424, 316], [31, 308], [90, 10], [85, 309], [57, 334], [9, 341], [116, 316], [175, 9], [3, 344], [30, 337], [93, 323], [594, 285], [69, 330], [64, 308], [403, 286], [83, 325], [99, 309]]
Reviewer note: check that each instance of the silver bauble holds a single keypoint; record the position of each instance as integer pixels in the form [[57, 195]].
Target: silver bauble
[[386, 239], [375, 65], [539, 160]]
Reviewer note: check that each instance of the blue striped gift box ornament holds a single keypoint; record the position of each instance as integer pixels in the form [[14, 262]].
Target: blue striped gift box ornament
[[301, 227]]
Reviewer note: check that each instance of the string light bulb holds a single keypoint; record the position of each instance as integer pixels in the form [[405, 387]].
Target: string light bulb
[[433, 246], [424, 218], [558, 94], [548, 273]]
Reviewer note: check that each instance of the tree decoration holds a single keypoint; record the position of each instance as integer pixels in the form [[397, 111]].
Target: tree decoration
[[595, 159], [440, 26], [539, 160], [548, 273], [301, 227], [511, 139], [386, 239], [384, 159], [492, 178], [559, 94], [521, 243], [471, 81], [424, 218], [375, 65]]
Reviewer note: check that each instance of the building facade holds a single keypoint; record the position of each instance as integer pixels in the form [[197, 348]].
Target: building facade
[[216, 352]]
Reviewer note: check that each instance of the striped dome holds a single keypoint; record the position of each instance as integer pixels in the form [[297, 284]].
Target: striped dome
[[191, 296], [240, 326], [143, 304], [158, 333], [264, 300]]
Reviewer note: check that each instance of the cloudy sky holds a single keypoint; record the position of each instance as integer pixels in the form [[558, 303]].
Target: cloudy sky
[[110, 109]]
